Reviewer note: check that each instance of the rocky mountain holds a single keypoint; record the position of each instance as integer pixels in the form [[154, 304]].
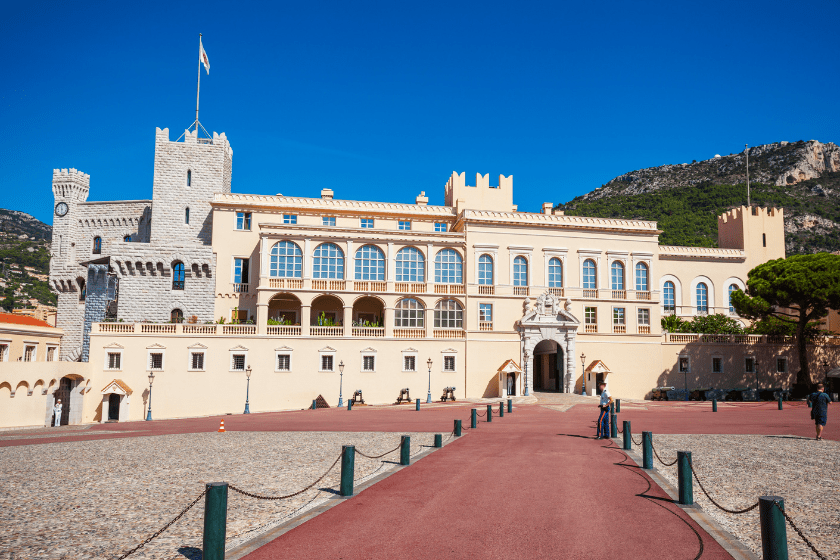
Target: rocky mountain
[[24, 260], [801, 177], [21, 223]]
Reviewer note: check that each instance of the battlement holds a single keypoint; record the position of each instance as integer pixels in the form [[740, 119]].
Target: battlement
[[481, 196], [71, 176], [191, 137], [758, 231], [739, 213]]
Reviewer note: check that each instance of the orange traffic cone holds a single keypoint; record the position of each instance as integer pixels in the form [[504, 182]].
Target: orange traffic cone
[[222, 426]]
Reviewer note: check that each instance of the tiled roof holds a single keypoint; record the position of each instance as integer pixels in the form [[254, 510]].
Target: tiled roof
[[23, 320]]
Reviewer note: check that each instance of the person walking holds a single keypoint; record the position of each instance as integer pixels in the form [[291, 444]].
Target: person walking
[[819, 408], [57, 412], [604, 416]]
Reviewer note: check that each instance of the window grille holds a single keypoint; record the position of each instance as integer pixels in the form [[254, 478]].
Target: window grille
[[238, 362], [449, 363], [156, 360], [368, 363], [284, 362], [326, 363], [114, 360], [198, 360], [409, 363]]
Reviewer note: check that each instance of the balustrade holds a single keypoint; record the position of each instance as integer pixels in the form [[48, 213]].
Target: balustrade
[[326, 331], [619, 294], [521, 290], [449, 333], [369, 332], [485, 325], [157, 329], [239, 329], [557, 291], [285, 283], [410, 333], [240, 288], [116, 327], [643, 295], [644, 329], [593, 294], [199, 329], [487, 290], [283, 330]]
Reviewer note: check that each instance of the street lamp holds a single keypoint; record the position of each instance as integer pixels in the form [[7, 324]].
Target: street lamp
[[151, 378], [429, 395], [583, 370], [340, 383], [755, 365], [247, 389]]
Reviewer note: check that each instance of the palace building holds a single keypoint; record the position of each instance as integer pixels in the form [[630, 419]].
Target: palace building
[[200, 287]]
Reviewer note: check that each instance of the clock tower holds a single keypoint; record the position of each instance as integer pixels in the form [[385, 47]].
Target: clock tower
[[70, 187]]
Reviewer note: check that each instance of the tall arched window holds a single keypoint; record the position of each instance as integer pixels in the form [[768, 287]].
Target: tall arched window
[[187, 215], [485, 270], [449, 315], [176, 316], [370, 263], [617, 275], [409, 313], [178, 274], [411, 265], [520, 271], [328, 261], [702, 298], [286, 260], [590, 279], [555, 273], [732, 288], [82, 289], [127, 239], [668, 297], [448, 267], [97, 245], [642, 277], [189, 178]]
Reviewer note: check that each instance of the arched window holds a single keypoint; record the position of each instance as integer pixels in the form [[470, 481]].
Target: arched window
[[485, 270], [411, 265], [97, 245], [370, 263], [702, 298], [328, 262], [642, 277], [176, 316], [409, 313], [127, 239], [668, 297], [590, 278], [555, 273], [617, 275], [82, 289], [520, 271], [178, 275], [732, 288], [286, 260], [189, 178], [187, 215], [449, 315], [448, 267]]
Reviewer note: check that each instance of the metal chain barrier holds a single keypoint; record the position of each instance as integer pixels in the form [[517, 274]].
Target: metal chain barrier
[[378, 456], [660, 459], [634, 440], [799, 532], [261, 497], [164, 528], [733, 511]]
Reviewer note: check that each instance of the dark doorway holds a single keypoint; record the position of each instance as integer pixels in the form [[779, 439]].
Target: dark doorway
[[599, 378], [63, 394], [548, 366], [113, 407], [511, 385]]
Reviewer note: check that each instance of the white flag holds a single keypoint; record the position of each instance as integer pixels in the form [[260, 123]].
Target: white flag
[[202, 57]]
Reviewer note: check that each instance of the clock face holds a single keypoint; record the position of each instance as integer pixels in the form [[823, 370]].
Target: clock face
[[61, 209]]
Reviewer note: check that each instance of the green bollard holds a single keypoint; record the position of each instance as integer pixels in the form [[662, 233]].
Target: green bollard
[[314, 404], [617, 406], [809, 402], [510, 405], [417, 404], [405, 450], [773, 529], [215, 521], [348, 465], [489, 412], [438, 440], [612, 408], [350, 405], [473, 418], [714, 405], [457, 428], [686, 490], [647, 450], [780, 403], [628, 440], [501, 409], [613, 426]]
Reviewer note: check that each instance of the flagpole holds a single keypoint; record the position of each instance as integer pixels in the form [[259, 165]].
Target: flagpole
[[747, 151], [198, 89]]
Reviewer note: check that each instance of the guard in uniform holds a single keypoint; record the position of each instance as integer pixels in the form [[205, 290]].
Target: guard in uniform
[[604, 416]]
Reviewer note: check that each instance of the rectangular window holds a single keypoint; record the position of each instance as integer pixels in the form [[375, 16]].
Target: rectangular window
[[368, 363], [237, 362], [404, 225], [409, 363], [644, 316], [367, 223], [240, 270], [243, 221], [326, 363], [685, 366], [449, 363], [289, 219], [618, 315], [50, 354], [440, 226], [238, 315], [717, 365], [4, 352], [328, 221], [114, 360], [749, 365], [284, 362], [197, 360], [29, 354], [155, 360], [485, 312], [781, 365], [590, 316]]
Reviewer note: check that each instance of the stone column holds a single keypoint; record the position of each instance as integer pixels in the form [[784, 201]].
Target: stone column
[[106, 404], [307, 259], [348, 320], [570, 362], [262, 318], [305, 318], [388, 321], [349, 263], [390, 267], [529, 369]]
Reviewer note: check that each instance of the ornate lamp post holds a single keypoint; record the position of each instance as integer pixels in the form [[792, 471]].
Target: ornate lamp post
[[151, 378], [429, 394], [340, 383], [247, 389], [583, 370], [755, 365]]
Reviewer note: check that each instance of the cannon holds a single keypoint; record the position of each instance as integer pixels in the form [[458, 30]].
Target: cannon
[[357, 397], [404, 396], [448, 394]]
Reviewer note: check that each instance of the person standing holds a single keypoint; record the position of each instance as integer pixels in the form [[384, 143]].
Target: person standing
[[819, 408], [604, 416], [57, 412]]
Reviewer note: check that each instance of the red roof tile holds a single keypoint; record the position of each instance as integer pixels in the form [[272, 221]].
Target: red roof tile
[[23, 320]]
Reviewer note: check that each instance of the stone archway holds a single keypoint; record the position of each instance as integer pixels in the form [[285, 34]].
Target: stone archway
[[549, 319]]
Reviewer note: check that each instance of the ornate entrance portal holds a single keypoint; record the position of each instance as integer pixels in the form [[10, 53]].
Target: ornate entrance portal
[[548, 334]]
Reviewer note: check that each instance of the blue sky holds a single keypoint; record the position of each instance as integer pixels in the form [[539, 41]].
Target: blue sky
[[380, 100]]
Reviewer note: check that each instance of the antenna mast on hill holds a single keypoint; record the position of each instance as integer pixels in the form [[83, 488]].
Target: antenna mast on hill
[[746, 149]]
